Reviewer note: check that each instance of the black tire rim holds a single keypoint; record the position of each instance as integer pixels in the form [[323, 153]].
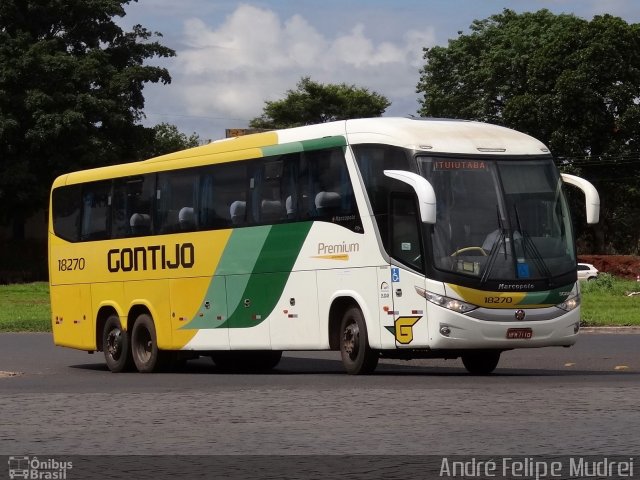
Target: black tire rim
[[351, 340], [144, 345], [114, 343]]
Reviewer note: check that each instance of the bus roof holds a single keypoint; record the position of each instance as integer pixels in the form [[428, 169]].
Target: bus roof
[[445, 136], [429, 135]]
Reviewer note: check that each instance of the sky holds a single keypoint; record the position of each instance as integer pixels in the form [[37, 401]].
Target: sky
[[233, 56]]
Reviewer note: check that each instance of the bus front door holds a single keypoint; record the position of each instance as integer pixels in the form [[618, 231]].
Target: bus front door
[[405, 248]]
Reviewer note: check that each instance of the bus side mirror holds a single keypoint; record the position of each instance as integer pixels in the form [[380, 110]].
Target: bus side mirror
[[591, 197], [423, 189]]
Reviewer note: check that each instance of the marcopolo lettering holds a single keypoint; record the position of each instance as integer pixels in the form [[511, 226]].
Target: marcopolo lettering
[[516, 286], [153, 257]]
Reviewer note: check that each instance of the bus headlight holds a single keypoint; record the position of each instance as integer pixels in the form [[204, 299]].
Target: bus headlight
[[447, 302], [570, 303]]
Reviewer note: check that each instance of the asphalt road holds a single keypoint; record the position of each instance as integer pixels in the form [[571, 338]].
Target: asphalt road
[[582, 400]]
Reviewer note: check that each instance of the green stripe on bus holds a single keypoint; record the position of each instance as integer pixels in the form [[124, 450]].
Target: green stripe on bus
[[243, 250], [304, 146], [547, 297], [240, 256], [255, 266], [270, 275]]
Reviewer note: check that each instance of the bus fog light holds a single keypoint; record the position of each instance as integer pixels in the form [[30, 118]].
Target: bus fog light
[[445, 331]]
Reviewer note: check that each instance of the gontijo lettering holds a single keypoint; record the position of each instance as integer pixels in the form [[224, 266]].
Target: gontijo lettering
[[153, 257]]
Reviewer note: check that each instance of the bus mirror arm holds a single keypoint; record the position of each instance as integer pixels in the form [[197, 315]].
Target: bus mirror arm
[[423, 189], [592, 199]]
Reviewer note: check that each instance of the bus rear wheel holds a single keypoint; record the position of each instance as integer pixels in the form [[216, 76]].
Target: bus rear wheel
[[481, 363], [116, 345], [144, 346], [357, 356]]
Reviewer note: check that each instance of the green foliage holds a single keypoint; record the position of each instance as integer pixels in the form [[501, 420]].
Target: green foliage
[[314, 102], [167, 139], [71, 85], [606, 301], [25, 308], [572, 83], [604, 282]]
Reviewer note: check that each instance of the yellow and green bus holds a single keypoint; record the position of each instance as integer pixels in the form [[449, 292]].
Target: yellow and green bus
[[386, 237]]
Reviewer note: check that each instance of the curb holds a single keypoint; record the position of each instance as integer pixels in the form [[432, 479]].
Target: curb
[[611, 330]]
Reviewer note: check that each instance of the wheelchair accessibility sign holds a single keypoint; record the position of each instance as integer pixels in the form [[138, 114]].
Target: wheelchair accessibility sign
[[395, 274]]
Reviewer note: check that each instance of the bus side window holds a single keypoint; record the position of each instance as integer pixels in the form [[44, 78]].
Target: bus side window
[[66, 212], [228, 197], [268, 204], [131, 206], [405, 231], [330, 192], [176, 195], [302, 205], [291, 193], [96, 200], [330, 185], [372, 161], [208, 214]]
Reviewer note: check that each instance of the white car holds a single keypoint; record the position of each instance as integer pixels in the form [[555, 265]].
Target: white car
[[586, 271]]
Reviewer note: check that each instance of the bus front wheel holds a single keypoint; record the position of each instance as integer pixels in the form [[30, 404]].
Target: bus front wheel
[[357, 356], [144, 345], [481, 363], [115, 345]]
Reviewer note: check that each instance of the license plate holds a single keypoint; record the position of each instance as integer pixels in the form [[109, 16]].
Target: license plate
[[519, 333]]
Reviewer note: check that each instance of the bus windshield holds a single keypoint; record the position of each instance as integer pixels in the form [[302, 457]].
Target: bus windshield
[[499, 219]]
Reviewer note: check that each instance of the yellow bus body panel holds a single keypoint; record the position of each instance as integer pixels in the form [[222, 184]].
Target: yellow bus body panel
[[171, 295]]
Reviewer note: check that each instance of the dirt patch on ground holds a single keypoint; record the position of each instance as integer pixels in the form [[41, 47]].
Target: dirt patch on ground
[[625, 266]]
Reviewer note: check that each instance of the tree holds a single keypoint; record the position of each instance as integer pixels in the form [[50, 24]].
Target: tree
[[167, 139], [572, 83], [71, 85], [314, 102]]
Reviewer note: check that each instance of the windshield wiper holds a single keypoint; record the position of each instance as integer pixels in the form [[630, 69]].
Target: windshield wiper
[[493, 254], [527, 242]]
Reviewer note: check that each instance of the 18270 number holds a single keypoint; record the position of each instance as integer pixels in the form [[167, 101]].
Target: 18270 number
[[498, 300], [69, 264]]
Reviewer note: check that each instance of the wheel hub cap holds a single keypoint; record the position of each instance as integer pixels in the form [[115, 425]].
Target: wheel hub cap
[[350, 340]]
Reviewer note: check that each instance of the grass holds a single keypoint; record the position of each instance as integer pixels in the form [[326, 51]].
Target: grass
[[605, 301], [25, 307]]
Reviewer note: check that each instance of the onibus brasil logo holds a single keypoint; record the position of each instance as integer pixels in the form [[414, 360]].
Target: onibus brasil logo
[[40, 469]]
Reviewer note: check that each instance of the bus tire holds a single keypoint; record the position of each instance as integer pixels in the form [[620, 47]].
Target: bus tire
[[481, 362], [357, 356], [144, 345], [116, 345]]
